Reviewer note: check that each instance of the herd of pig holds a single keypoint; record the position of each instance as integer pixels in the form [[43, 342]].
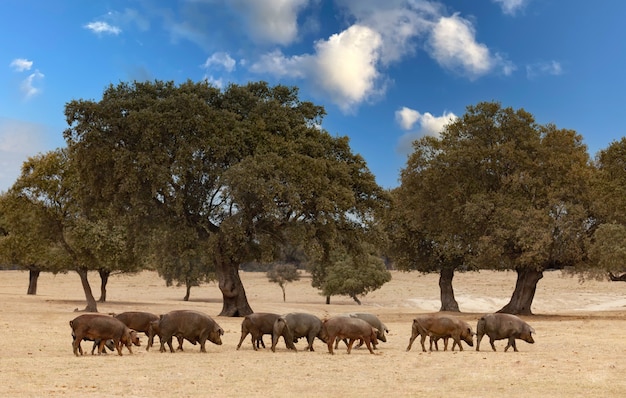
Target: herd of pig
[[116, 331]]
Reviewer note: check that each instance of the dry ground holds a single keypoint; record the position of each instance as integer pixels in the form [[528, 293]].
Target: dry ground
[[579, 349]]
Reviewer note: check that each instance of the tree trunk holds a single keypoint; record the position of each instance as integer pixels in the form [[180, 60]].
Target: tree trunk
[[615, 278], [284, 297], [355, 298], [524, 292], [188, 286], [446, 291], [104, 279], [235, 302], [327, 299], [91, 301], [32, 280]]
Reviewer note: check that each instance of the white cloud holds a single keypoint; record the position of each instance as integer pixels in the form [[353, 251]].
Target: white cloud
[[552, 68], [100, 27], [18, 141], [28, 85], [342, 68], [280, 65], [399, 23], [407, 117], [346, 65], [453, 45], [427, 125], [349, 66], [220, 59], [510, 7], [21, 64], [272, 21]]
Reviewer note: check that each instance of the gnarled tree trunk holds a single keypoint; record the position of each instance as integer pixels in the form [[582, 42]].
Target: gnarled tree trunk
[[524, 292], [235, 302], [91, 301], [104, 279], [448, 302], [32, 280]]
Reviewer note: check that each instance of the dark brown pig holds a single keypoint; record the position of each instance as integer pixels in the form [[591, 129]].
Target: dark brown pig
[[342, 327], [295, 325], [140, 322], [372, 320], [441, 326], [257, 325], [155, 330], [102, 327], [194, 326], [503, 326], [108, 344]]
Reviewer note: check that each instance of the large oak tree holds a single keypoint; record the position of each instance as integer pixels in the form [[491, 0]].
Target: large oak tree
[[494, 191], [242, 171]]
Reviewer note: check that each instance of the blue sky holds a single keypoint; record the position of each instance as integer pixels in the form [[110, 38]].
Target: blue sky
[[387, 72]]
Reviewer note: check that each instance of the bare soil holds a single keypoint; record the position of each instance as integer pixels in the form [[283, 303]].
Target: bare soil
[[579, 351]]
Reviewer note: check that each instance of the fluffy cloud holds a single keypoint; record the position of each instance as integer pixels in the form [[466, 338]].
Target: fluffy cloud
[[343, 67], [407, 117], [453, 46], [398, 22], [100, 27], [271, 21], [428, 124], [21, 64], [346, 65], [349, 67], [222, 60], [510, 7]]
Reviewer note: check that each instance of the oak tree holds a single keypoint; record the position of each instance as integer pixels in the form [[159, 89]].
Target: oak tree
[[244, 171], [282, 274], [494, 191]]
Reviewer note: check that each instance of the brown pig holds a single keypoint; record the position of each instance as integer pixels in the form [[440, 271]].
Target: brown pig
[[103, 328], [441, 326], [140, 322], [503, 326], [194, 326], [352, 329], [257, 325]]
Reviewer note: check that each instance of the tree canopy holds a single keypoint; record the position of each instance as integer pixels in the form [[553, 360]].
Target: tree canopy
[[607, 252], [494, 191], [48, 230], [282, 274], [239, 172], [352, 276]]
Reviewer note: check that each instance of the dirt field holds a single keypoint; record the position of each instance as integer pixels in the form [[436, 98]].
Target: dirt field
[[579, 351]]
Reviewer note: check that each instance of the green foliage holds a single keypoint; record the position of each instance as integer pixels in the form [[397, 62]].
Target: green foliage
[[282, 274], [607, 249], [354, 276], [47, 225], [240, 172], [27, 239], [495, 191]]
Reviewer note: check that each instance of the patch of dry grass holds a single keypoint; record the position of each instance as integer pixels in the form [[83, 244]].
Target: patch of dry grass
[[579, 349]]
